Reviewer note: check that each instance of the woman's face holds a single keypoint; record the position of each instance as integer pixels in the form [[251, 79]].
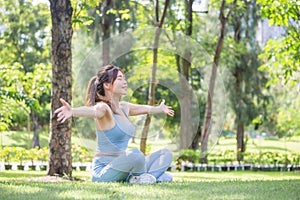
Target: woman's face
[[119, 86]]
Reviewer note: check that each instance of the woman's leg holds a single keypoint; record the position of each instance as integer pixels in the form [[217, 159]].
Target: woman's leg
[[158, 162], [132, 162]]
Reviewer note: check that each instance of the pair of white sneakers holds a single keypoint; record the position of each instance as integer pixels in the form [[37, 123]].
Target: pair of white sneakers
[[143, 179]]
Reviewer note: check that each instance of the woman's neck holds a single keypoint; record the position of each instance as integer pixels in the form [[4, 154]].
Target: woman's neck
[[115, 101]]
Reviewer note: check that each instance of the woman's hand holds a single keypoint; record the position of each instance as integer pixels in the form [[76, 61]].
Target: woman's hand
[[166, 109], [64, 112]]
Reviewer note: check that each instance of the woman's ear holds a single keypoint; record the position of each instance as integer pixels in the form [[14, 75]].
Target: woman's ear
[[106, 85]]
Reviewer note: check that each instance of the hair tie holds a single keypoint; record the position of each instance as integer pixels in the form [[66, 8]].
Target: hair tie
[[96, 81]]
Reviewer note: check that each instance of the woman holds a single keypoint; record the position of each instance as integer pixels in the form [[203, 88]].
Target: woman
[[113, 129]]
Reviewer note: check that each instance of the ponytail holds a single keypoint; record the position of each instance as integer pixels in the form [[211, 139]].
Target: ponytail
[[90, 98]]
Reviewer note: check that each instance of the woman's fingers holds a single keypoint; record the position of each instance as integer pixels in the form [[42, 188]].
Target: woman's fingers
[[171, 113], [59, 118], [167, 109], [64, 119], [58, 110], [63, 101], [62, 111]]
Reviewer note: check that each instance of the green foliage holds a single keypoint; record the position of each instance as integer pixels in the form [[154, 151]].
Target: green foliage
[[24, 59], [189, 155], [43, 154], [21, 154], [282, 56], [80, 154], [288, 120], [229, 156], [24, 37], [7, 153], [245, 85], [33, 154], [27, 90], [80, 12]]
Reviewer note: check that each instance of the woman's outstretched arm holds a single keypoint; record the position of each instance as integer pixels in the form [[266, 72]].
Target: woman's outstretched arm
[[66, 111], [136, 109]]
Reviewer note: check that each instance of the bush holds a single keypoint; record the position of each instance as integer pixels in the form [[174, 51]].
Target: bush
[[33, 154], [8, 153], [189, 155], [21, 154], [80, 154]]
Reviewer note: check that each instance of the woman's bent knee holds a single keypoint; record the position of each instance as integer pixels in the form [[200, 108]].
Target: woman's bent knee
[[166, 152], [136, 156]]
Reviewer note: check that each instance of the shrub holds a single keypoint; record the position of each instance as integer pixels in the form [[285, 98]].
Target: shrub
[[43, 154], [21, 154], [33, 154], [189, 155]]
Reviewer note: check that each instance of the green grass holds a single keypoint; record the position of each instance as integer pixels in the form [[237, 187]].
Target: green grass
[[186, 185], [282, 144], [279, 145]]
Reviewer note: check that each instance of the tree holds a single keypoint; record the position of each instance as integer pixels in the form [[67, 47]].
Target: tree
[[247, 92], [151, 98], [24, 49], [208, 109], [184, 69], [106, 23], [281, 56], [60, 157]]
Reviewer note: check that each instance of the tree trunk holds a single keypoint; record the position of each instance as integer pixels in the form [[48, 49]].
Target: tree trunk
[[35, 126], [186, 132], [208, 109], [60, 157], [151, 98], [240, 141], [106, 23]]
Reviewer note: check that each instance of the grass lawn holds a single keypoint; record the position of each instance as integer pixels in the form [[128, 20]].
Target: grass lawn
[[186, 185], [259, 144]]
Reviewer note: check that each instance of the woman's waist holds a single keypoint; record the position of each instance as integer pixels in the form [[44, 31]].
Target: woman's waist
[[102, 153]]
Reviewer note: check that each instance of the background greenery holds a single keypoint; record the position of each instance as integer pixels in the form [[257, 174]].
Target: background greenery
[[266, 100]]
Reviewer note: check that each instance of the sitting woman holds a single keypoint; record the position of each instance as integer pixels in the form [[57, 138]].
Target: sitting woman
[[113, 129]]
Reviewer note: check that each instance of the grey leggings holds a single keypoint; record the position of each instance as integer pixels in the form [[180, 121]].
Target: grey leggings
[[132, 162]]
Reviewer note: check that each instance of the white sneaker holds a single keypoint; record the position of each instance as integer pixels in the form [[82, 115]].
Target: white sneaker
[[165, 177], [142, 179]]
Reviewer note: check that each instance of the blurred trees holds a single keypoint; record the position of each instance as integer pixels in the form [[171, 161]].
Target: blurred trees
[[246, 85], [25, 77], [281, 60], [281, 56], [25, 57], [159, 21]]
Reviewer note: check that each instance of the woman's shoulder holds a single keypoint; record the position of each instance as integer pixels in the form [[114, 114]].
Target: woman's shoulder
[[102, 106]]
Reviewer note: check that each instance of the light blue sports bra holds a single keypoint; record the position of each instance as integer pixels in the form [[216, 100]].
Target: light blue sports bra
[[115, 140]]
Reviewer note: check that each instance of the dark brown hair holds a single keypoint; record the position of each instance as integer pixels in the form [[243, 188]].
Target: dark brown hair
[[95, 91]]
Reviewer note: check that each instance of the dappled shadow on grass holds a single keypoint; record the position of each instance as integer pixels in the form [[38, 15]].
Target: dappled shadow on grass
[[204, 185], [19, 174], [234, 189], [265, 148]]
